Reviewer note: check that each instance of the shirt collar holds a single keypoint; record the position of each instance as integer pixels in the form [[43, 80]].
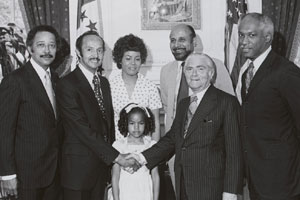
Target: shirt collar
[[260, 59], [200, 94], [39, 70], [88, 75]]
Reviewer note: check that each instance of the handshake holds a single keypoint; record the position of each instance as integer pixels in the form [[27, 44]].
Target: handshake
[[130, 162]]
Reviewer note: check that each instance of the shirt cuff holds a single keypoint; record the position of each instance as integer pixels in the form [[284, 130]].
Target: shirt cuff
[[142, 160], [8, 177], [229, 196]]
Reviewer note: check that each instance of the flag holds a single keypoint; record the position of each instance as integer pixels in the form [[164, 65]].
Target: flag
[[233, 57], [89, 17]]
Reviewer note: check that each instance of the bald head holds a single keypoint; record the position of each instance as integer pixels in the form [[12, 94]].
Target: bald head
[[182, 41]]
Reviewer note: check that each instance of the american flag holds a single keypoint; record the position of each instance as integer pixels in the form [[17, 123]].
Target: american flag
[[89, 16], [233, 58]]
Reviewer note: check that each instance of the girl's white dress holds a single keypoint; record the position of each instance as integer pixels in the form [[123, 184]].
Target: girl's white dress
[[136, 186]]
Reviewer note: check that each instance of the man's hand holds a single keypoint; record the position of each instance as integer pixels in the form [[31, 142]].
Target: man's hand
[[229, 196], [9, 187], [129, 163]]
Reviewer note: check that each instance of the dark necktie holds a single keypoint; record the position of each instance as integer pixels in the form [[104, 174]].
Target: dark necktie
[[98, 95], [183, 87], [248, 76], [192, 109]]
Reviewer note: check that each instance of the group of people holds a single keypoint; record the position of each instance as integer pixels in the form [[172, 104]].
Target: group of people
[[68, 138]]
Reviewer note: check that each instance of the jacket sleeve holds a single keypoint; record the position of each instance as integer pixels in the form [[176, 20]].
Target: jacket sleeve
[[76, 122], [233, 179], [9, 106]]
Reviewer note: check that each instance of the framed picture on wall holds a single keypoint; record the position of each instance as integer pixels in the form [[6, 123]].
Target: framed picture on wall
[[163, 14]]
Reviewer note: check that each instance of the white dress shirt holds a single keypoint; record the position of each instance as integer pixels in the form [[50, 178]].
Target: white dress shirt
[[256, 63]]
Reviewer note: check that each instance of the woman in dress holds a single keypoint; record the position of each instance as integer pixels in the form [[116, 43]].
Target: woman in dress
[[130, 86]]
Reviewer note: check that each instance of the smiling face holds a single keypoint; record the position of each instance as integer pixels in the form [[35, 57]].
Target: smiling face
[[131, 63], [136, 125], [181, 42], [253, 37], [92, 52], [43, 48], [198, 72]]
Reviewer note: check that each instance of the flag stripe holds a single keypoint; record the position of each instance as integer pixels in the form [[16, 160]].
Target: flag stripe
[[233, 60]]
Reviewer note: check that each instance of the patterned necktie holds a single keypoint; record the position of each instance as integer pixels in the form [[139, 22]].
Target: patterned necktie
[[248, 76], [192, 109], [50, 91], [183, 87], [98, 95]]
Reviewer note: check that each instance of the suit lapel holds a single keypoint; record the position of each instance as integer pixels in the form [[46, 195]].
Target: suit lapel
[[207, 104], [86, 89], [106, 97], [38, 87], [172, 89], [261, 73]]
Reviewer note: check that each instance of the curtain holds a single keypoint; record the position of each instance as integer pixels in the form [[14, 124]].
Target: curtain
[[295, 51], [49, 12], [284, 14]]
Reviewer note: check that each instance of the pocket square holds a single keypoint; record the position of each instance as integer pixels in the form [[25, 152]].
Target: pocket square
[[207, 121]]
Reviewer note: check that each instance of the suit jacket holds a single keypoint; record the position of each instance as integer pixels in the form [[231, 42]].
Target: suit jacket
[[29, 132], [271, 128], [168, 83], [87, 150], [210, 155]]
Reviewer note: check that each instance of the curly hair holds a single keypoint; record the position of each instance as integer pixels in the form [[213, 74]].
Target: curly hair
[[128, 43], [125, 114]]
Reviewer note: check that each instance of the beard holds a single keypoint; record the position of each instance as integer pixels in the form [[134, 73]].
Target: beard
[[181, 56]]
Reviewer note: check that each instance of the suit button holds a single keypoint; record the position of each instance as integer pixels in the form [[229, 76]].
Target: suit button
[[183, 148]]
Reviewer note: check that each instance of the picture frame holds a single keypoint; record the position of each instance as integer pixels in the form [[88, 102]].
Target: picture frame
[[164, 14]]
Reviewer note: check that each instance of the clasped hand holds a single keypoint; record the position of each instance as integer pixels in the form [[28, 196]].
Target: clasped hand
[[129, 162]]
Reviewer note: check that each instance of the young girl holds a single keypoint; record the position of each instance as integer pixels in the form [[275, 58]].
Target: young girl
[[136, 123]]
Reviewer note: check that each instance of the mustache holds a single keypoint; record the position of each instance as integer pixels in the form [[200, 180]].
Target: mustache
[[179, 48], [95, 59], [47, 56]]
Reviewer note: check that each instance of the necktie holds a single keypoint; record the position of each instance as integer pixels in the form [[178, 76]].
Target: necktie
[[192, 109], [183, 87], [50, 91], [248, 77], [98, 95]]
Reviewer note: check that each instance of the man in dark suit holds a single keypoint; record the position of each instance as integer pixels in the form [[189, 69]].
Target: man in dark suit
[[85, 100], [29, 123], [270, 114], [208, 163]]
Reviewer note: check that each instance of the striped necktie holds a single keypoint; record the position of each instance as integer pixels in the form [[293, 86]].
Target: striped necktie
[[248, 76], [192, 109]]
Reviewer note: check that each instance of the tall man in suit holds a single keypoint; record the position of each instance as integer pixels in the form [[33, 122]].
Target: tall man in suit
[[183, 42], [208, 163], [29, 122], [85, 101], [270, 114]]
